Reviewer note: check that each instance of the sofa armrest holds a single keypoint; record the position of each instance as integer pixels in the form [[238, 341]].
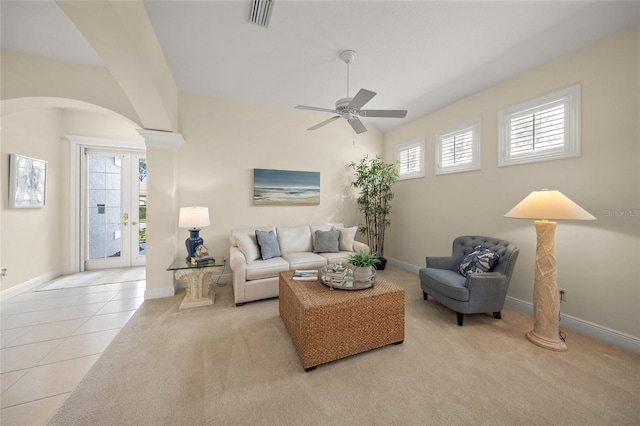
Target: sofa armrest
[[238, 263], [487, 286], [442, 262], [359, 247]]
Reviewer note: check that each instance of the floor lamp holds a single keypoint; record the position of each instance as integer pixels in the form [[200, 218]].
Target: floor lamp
[[546, 206]]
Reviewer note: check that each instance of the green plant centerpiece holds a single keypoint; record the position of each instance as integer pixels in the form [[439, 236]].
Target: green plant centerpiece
[[363, 260], [364, 270], [374, 179]]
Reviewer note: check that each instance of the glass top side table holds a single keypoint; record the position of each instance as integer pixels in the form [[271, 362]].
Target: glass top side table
[[196, 280]]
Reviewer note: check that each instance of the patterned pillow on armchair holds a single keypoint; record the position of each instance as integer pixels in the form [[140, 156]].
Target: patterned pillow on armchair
[[480, 260]]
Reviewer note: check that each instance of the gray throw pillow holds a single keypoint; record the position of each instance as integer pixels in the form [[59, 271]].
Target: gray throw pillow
[[268, 244], [326, 242]]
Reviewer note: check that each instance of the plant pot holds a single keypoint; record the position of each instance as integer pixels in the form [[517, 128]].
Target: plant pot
[[381, 264], [364, 274]]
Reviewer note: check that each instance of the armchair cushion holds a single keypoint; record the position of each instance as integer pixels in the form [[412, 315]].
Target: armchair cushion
[[447, 283], [268, 244], [480, 260]]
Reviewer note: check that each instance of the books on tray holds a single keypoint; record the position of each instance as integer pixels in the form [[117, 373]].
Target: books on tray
[[305, 275]]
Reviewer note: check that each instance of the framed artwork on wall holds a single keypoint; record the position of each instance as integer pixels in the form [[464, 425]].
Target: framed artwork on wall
[[27, 182], [286, 187]]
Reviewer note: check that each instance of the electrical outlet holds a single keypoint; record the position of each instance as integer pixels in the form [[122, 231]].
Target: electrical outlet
[[563, 295]]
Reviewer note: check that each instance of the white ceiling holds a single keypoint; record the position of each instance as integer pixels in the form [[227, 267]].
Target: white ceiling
[[417, 55]]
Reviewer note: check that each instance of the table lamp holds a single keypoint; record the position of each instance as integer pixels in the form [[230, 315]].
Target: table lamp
[[193, 218], [546, 206]]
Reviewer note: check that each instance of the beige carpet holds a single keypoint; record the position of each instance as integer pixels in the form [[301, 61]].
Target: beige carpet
[[223, 365]]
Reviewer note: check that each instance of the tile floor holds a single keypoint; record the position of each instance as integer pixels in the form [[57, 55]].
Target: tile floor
[[51, 336]]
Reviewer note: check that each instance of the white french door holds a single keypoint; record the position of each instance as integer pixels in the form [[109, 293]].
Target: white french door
[[114, 208]]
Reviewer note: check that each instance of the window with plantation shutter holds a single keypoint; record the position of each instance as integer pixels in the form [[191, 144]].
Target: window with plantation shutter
[[410, 157], [458, 148], [547, 128]]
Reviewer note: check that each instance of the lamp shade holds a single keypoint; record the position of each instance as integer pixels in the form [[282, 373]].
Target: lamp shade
[[548, 204], [193, 217]]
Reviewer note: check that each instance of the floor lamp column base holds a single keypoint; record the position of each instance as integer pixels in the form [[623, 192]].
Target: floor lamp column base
[[554, 345]]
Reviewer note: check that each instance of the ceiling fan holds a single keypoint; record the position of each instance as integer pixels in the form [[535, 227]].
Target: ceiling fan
[[349, 108]]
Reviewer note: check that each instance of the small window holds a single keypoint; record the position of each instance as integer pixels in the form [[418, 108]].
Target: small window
[[547, 128], [458, 149], [410, 156]]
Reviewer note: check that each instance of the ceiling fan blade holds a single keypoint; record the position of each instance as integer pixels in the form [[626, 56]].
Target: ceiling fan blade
[[325, 122], [392, 113], [362, 97], [316, 109], [357, 125]]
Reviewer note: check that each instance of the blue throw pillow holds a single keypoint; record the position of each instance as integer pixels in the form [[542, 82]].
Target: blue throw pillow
[[480, 260], [268, 244]]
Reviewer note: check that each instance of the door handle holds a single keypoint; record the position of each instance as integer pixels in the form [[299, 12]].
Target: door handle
[[134, 223], [125, 223]]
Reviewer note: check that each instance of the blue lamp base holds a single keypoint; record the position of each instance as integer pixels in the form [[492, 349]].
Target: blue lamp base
[[192, 242]]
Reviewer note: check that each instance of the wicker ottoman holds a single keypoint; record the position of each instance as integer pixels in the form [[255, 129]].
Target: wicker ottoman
[[326, 324]]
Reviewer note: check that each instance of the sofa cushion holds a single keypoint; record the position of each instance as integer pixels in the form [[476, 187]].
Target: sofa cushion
[[268, 244], [347, 237], [304, 260], [478, 261], [341, 256], [326, 241], [259, 269], [248, 245], [294, 239]]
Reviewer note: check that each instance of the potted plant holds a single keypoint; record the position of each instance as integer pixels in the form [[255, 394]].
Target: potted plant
[[374, 178], [364, 266]]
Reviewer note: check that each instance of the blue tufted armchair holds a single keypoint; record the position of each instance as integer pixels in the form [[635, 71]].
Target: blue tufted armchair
[[477, 292]]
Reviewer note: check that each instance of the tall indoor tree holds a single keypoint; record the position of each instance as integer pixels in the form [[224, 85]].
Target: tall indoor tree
[[374, 179]]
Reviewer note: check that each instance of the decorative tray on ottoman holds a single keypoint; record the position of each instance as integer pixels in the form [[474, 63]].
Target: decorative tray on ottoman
[[342, 277]]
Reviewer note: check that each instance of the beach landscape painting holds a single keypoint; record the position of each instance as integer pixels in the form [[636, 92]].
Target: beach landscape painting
[[286, 187]]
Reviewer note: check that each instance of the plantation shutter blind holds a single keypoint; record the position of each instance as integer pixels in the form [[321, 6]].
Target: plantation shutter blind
[[457, 149], [542, 128], [410, 160]]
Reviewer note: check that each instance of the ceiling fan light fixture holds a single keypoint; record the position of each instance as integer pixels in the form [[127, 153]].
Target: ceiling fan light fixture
[[260, 12], [350, 108]]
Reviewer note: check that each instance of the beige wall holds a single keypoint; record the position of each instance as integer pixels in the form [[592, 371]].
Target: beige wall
[[39, 132], [26, 75], [31, 238], [226, 140], [597, 261]]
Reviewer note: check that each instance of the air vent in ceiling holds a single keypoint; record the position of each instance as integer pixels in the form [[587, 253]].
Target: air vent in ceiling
[[261, 12]]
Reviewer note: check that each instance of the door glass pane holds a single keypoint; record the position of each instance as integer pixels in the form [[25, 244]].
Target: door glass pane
[[105, 229], [142, 209]]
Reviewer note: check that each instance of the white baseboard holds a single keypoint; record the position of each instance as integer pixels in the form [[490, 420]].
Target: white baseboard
[[617, 338], [157, 293], [29, 285], [614, 337], [403, 265]]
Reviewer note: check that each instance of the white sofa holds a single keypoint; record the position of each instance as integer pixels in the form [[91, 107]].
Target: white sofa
[[256, 279]]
